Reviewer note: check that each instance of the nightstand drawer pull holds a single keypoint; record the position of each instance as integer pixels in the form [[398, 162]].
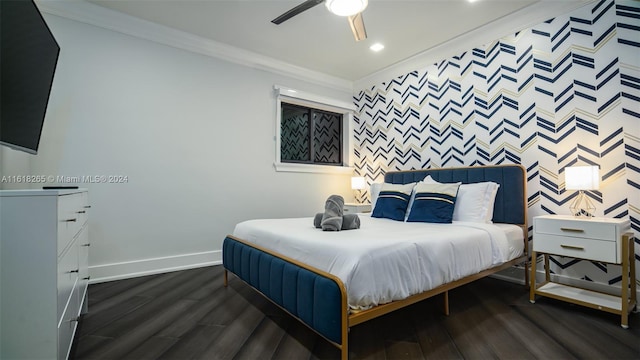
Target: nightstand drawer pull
[[572, 230], [571, 247]]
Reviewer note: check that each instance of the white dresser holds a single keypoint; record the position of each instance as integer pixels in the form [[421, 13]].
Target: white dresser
[[44, 249]]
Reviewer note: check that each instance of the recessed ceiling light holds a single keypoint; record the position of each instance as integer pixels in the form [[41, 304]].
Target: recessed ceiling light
[[376, 47]]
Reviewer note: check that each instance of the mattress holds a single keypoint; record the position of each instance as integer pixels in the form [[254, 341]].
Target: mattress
[[387, 260]]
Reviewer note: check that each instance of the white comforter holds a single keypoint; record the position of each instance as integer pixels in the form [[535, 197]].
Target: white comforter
[[386, 260]]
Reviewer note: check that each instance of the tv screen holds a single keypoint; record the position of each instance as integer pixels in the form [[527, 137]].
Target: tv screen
[[28, 58]]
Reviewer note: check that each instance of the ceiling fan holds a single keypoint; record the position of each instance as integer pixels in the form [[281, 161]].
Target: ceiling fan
[[350, 8]]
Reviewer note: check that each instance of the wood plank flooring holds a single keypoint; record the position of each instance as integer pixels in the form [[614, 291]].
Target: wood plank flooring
[[190, 315]]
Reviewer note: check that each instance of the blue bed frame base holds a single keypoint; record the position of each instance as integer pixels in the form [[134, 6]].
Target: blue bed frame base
[[316, 298], [319, 299]]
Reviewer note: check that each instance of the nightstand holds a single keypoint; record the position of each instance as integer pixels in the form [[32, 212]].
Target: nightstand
[[597, 239], [352, 208]]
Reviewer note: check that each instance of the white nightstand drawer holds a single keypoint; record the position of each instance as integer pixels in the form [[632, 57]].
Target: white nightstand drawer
[[590, 249], [356, 208], [575, 228]]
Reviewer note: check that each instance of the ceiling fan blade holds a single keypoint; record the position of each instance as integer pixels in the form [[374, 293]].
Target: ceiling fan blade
[[357, 27], [296, 10]]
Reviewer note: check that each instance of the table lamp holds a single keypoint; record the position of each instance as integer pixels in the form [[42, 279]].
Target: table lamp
[[582, 178], [357, 184]]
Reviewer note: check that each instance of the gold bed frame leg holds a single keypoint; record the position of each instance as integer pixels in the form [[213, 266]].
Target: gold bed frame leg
[[226, 278], [446, 303], [532, 278], [344, 352], [344, 347], [526, 273]]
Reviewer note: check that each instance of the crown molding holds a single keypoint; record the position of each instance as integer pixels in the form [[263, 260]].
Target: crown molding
[[95, 15], [509, 24]]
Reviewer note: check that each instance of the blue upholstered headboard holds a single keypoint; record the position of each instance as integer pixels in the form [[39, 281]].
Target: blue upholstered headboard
[[511, 200]]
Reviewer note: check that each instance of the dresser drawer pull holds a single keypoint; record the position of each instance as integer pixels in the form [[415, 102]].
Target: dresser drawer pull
[[85, 245], [74, 271], [87, 206], [572, 230], [570, 247], [81, 212], [70, 220], [86, 278]]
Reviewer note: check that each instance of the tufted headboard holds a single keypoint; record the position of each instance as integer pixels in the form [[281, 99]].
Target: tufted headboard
[[511, 200]]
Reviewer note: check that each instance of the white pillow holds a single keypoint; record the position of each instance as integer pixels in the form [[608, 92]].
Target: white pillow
[[429, 180], [474, 202], [374, 191], [491, 200]]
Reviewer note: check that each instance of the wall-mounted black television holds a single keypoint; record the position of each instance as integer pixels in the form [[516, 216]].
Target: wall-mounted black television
[[28, 58]]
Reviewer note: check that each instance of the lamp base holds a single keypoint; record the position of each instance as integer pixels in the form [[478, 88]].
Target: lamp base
[[582, 206], [358, 196]]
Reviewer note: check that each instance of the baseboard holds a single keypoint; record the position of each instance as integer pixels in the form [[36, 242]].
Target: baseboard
[[143, 267], [513, 274], [516, 275]]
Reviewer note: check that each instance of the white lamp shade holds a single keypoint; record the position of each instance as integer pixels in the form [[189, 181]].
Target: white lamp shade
[[582, 178], [357, 183], [346, 7]]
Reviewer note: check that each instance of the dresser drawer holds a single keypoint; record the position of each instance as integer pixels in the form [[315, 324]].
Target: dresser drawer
[[70, 220], [67, 325], [575, 228], [67, 276], [83, 261], [590, 249], [83, 208]]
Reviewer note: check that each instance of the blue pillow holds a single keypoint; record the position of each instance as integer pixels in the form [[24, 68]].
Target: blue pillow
[[434, 203], [393, 201]]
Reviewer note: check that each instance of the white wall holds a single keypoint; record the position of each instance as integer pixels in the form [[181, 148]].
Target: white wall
[[193, 135], [13, 163]]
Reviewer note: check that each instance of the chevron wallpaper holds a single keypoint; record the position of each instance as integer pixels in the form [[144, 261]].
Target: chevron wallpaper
[[564, 92]]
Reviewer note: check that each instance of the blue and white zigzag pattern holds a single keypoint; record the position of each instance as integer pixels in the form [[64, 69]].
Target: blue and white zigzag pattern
[[564, 92]]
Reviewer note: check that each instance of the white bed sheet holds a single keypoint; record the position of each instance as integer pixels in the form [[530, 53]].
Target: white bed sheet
[[387, 260]]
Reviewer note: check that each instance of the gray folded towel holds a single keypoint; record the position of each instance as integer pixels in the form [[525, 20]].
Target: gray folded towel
[[333, 211], [349, 221]]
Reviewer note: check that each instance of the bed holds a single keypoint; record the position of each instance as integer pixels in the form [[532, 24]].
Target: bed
[[351, 276]]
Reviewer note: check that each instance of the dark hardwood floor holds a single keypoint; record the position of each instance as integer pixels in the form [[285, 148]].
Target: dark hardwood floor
[[190, 315]]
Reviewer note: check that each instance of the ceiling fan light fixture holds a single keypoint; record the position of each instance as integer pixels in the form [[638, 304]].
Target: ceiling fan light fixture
[[346, 7]]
